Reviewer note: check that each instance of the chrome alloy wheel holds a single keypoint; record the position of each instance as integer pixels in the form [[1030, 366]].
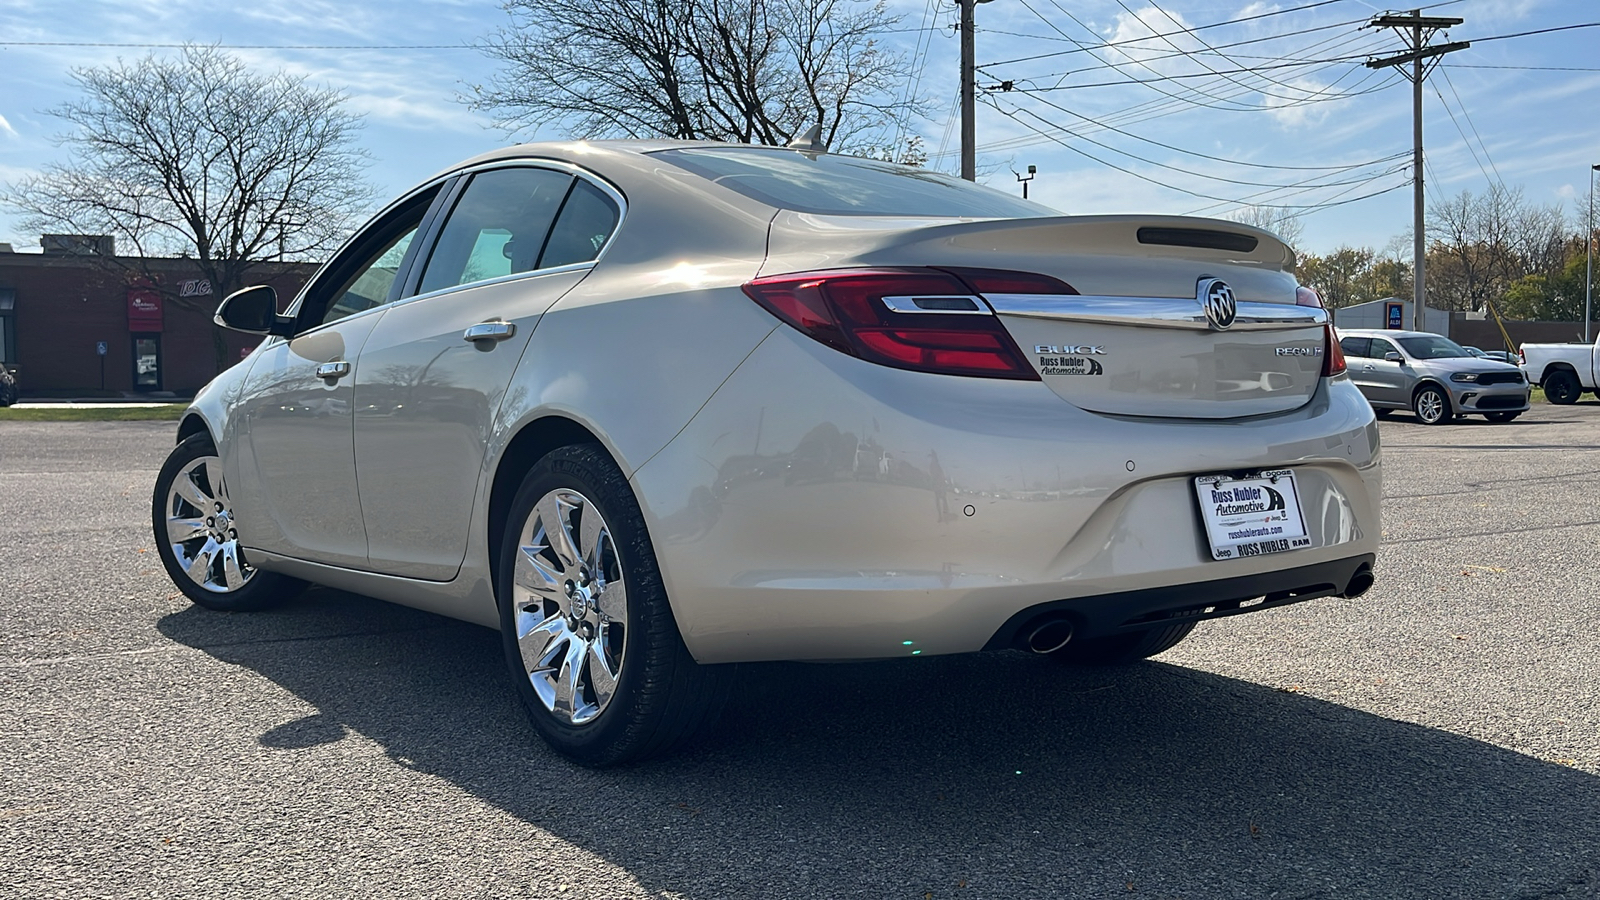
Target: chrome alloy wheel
[[200, 528], [570, 603]]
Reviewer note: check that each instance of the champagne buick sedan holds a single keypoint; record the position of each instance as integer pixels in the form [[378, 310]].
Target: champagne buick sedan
[[654, 408]]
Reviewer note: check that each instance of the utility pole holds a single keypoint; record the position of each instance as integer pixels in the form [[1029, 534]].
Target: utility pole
[[1416, 29], [969, 91], [1588, 257]]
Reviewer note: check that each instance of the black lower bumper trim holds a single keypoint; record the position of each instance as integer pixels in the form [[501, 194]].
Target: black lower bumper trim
[[1107, 614]]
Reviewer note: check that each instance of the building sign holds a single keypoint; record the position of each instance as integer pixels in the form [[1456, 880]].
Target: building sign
[[144, 309], [195, 287], [1394, 316]]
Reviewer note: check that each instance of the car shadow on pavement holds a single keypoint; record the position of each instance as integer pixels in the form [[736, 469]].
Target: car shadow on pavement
[[993, 775]]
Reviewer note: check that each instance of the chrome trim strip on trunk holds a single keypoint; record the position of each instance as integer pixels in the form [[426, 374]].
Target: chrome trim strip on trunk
[[1152, 312]]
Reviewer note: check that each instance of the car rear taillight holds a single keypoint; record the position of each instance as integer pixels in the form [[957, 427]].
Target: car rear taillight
[[925, 320], [1333, 360], [1304, 296]]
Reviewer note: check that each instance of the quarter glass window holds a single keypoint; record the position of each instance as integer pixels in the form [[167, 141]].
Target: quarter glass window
[[587, 220], [497, 228]]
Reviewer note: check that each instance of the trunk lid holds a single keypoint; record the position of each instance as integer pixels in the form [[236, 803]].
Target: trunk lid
[[1136, 339]]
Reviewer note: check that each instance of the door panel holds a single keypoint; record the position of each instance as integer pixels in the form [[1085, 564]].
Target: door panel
[[295, 493], [425, 398], [1390, 380], [428, 392], [294, 484]]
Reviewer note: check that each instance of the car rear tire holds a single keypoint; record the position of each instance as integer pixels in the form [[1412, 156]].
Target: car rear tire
[[1502, 416], [1562, 388], [192, 521], [589, 637], [1431, 406], [1119, 649]]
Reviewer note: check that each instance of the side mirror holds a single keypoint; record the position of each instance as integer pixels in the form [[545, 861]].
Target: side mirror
[[253, 310], [1392, 356]]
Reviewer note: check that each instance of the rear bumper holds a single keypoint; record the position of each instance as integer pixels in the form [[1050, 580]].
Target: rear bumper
[[1110, 614], [820, 507]]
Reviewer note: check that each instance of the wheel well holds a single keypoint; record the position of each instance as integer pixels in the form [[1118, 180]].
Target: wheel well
[[532, 443], [190, 426], [1558, 367], [1433, 384]]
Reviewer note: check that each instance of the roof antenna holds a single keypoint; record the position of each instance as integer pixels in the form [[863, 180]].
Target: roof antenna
[[809, 141]]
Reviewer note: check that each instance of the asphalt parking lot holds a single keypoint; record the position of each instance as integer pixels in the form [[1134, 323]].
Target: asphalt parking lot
[[1439, 737]]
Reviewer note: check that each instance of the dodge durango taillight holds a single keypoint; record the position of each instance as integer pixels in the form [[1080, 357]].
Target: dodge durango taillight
[[926, 320]]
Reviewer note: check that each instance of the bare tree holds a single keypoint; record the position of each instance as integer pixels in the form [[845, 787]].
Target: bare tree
[[1285, 224], [752, 71], [1481, 244], [200, 157]]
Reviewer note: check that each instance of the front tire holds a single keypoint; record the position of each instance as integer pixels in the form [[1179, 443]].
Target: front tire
[[590, 639], [1120, 649], [1431, 406], [1562, 388], [192, 521]]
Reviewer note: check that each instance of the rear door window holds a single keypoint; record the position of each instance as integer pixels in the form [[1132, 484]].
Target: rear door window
[[498, 227], [1355, 346]]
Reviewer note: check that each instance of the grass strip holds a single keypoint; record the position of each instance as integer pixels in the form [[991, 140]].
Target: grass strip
[[165, 413]]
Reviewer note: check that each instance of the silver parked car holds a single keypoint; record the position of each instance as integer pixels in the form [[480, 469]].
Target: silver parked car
[[1432, 376], [652, 408]]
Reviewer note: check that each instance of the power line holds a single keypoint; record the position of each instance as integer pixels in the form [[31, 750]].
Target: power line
[[1464, 138], [1468, 116], [1285, 65], [1191, 193], [1501, 37], [1197, 153], [242, 46], [1529, 68], [1081, 48]]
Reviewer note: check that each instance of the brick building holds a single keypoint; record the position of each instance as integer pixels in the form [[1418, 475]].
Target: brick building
[[74, 318]]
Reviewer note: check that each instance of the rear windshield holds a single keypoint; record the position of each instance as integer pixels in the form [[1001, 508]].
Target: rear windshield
[[847, 185], [1432, 347]]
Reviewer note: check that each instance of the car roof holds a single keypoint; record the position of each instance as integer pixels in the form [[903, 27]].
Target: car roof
[[629, 151], [1384, 332]]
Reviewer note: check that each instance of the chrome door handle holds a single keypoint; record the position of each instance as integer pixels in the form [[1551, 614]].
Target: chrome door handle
[[332, 370], [489, 331], [1368, 368]]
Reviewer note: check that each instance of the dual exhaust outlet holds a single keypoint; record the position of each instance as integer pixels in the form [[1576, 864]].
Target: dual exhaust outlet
[[1052, 632]]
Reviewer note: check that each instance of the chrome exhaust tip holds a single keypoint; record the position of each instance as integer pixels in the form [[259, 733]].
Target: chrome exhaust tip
[[1050, 636]]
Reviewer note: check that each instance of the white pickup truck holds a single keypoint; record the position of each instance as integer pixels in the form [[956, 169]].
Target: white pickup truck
[[1564, 370]]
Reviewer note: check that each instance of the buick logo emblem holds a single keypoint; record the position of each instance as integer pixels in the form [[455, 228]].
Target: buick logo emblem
[[1217, 298]]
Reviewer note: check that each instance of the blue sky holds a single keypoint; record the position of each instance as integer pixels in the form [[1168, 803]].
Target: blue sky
[[1226, 135]]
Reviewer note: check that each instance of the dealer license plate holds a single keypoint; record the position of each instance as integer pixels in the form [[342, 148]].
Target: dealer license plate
[[1253, 515]]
